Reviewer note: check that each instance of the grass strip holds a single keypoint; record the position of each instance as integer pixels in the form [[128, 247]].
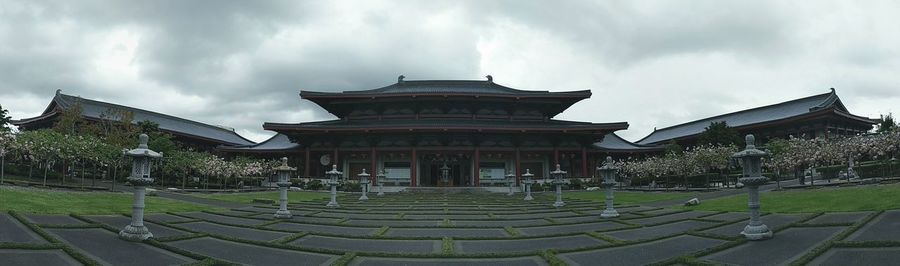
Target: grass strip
[[550, 256], [447, 245], [381, 231], [290, 238], [344, 260], [512, 231], [210, 262], [822, 248], [608, 239]]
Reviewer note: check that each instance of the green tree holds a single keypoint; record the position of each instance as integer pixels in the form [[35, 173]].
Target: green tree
[[673, 148], [719, 134], [5, 119], [71, 122], [159, 141], [886, 123]]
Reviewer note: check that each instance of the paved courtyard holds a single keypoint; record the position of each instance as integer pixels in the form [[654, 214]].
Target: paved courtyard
[[452, 229]]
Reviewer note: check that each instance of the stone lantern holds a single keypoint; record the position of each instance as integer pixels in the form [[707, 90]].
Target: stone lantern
[[528, 181], [140, 179], [445, 173], [608, 173], [558, 176], [511, 181], [364, 183], [380, 178], [284, 175], [333, 180], [752, 178]]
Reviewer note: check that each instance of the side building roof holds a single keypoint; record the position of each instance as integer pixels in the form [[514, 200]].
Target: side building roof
[[759, 115], [278, 143], [93, 109], [613, 143]]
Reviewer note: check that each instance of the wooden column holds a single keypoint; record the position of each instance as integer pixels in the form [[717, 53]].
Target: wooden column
[[373, 171], [584, 163], [412, 169], [306, 163], [335, 161], [555, 159], [477, 174], [518, 167]]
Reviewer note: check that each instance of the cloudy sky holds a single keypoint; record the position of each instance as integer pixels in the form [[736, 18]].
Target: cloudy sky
[[649, 63]]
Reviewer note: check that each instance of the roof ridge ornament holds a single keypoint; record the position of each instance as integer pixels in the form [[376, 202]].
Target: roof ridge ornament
[[490, 79], [58, 91], [400, 78]]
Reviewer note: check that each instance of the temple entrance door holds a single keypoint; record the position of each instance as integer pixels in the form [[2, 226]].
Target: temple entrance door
[[459, 174]]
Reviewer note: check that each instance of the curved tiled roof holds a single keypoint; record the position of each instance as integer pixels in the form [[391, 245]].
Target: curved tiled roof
[[279, 142], [445, 124], [441, 87], [93, 109], [612, 142], [752, 116]]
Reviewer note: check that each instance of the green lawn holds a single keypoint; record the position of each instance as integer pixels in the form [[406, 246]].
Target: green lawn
[[33, 200], [866, 198], [247, 197], [628, 197]]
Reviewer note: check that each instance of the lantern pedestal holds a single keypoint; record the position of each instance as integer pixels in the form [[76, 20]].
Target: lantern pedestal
[[333, 203], [365, 188], [609, 212], [559, 202], [528, 184], [755, 230], [283, 212], [136, 231], [380, 188]]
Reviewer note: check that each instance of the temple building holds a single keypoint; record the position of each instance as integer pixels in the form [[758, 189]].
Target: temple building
[[822, 115], [444, 133], [186, 132]]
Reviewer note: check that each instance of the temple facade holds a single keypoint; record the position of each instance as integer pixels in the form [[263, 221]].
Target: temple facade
[[442, 133]]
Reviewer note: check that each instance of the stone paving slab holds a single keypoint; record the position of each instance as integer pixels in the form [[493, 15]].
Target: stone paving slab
[[224, 219], [571, 228], [234, 231], [838, 217], [786, 246], [476, 223], [315, 228], [118, 221], [106, 247], [446, 232], [251, 254], [537, 215], [166, 218], [641, 254], [523, 261], [14, 231], [446, 216], [355, 215], [394, 223], [773, 221], [15, 257], [859, 256], [884, 227], [596, 214], [370, 245], [670, 217], [525, 245], [658, 212], [658, 230], [53, 219], [729, 216]]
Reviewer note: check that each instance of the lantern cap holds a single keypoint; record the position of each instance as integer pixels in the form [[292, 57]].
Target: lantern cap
[[284, 165], [528, 173], [334, 171], [608, 165], [142, 149], [363, 174], [750, 150], [558, 171]]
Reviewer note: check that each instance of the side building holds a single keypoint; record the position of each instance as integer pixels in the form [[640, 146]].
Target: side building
[[820, 115], [188, 133]]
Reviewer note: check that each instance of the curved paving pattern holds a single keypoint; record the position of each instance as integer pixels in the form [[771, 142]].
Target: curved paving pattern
[[452, 229]]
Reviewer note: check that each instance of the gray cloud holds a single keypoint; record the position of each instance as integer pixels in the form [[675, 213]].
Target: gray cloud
[[651, 63]]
